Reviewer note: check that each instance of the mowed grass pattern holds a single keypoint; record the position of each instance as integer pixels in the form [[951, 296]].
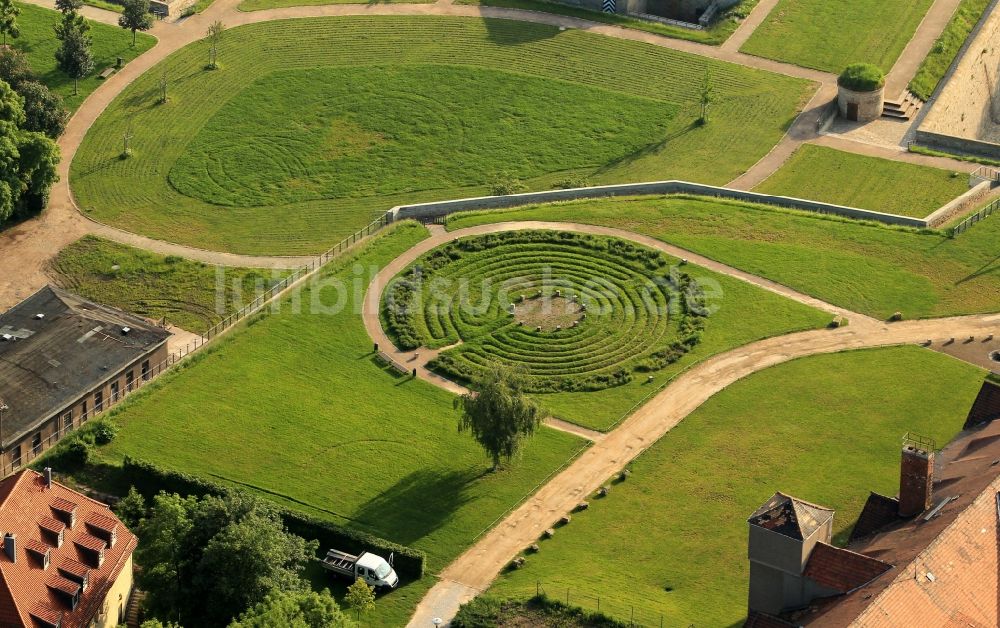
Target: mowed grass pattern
[[625, 307], [751, 111], [825, 429], [831, 34], [867, 268], [38, 42], [345, 132], [823, 174], [295, 407]]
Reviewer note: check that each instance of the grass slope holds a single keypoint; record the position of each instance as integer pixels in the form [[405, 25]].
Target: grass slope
[[38, 42], [435, 57], [824, 174], [866, 268], [260, 5], [939, 59], [183, 291], [676, 531], [295, 407], [830, 34]]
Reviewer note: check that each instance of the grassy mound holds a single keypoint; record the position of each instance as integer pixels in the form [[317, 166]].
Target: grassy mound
[[861, 77], [184, 292], [351, 116], [574, 312], [373, 131]]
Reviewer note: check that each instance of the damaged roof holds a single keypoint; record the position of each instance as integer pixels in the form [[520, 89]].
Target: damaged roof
[[790, 516]]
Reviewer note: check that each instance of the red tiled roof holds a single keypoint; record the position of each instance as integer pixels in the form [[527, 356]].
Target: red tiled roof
[[88, 541], [26, 504], [46, 614], [842, 570]]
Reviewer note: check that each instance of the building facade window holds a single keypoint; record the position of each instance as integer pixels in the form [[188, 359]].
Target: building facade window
[[15, 456], [36, 444], [67, 422], [98, 401], [115, 392], [129, 380], [145, 370]]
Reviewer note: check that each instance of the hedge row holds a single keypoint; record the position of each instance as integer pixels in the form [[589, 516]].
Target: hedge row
[[149, 479]]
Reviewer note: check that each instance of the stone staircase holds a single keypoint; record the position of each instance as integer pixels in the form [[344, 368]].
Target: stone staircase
[[905, 107], [133, 613]]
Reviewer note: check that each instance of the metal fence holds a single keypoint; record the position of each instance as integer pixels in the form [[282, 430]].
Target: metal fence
[[613, 607], [982, 214], [63, 427]]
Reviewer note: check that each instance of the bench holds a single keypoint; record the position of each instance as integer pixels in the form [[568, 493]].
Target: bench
[[108, 71]]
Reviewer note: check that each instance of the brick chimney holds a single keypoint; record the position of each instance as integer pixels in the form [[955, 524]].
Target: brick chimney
[[916, 475]]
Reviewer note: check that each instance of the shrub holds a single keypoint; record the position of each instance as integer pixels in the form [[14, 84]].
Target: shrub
[[862, 77], [104, 431], [505, 184]]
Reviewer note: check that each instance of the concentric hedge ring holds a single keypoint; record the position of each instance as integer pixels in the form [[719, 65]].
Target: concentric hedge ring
[[630, 308]]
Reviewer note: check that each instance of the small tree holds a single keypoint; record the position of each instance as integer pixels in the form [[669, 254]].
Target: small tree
[[214, 33], [68, 6], [360, 597], [163, 87], [131, 509], [135, 17], [74, 57], [706, 97], [8, 20], [499, 415]]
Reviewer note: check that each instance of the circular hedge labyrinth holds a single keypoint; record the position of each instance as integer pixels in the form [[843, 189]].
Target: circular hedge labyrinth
[[571, 311]]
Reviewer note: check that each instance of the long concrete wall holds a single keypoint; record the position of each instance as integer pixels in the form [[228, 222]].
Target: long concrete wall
[[444, 208]]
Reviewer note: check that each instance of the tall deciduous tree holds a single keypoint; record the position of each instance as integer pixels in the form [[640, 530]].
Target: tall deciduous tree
[[297, 609], [498, 414], [8, 20], [43, 110], [135, 17], [215, 30], [73, 55], [207, 561], [28, 160]]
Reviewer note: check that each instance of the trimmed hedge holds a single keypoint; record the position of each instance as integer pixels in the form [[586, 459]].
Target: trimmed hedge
[[862, 77], [149, 479]]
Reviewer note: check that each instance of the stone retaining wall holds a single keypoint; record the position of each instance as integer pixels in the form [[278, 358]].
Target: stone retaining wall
[[424, 211], [961, 205]]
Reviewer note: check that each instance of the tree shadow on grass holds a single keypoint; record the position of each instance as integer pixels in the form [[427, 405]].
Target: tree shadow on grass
[[986, 269], [508, 33], [645, 151], [417, 505]]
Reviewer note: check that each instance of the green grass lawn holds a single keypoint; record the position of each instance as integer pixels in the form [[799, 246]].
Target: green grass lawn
[[832, 176], [718, 32], [364, 113], [38, 42], [831, 34], [595, 373], [294, 406], [183, 291], [867, 268], [671, 539], [939, 59]]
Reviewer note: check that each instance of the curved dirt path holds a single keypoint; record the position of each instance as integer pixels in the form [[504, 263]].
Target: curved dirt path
[[474, 570]]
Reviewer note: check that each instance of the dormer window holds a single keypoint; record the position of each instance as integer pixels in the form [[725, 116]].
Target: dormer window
[[77, 572], [92, 548], [104, 528], [67, 590], [65, 511], [39, 552], [53, 532]]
